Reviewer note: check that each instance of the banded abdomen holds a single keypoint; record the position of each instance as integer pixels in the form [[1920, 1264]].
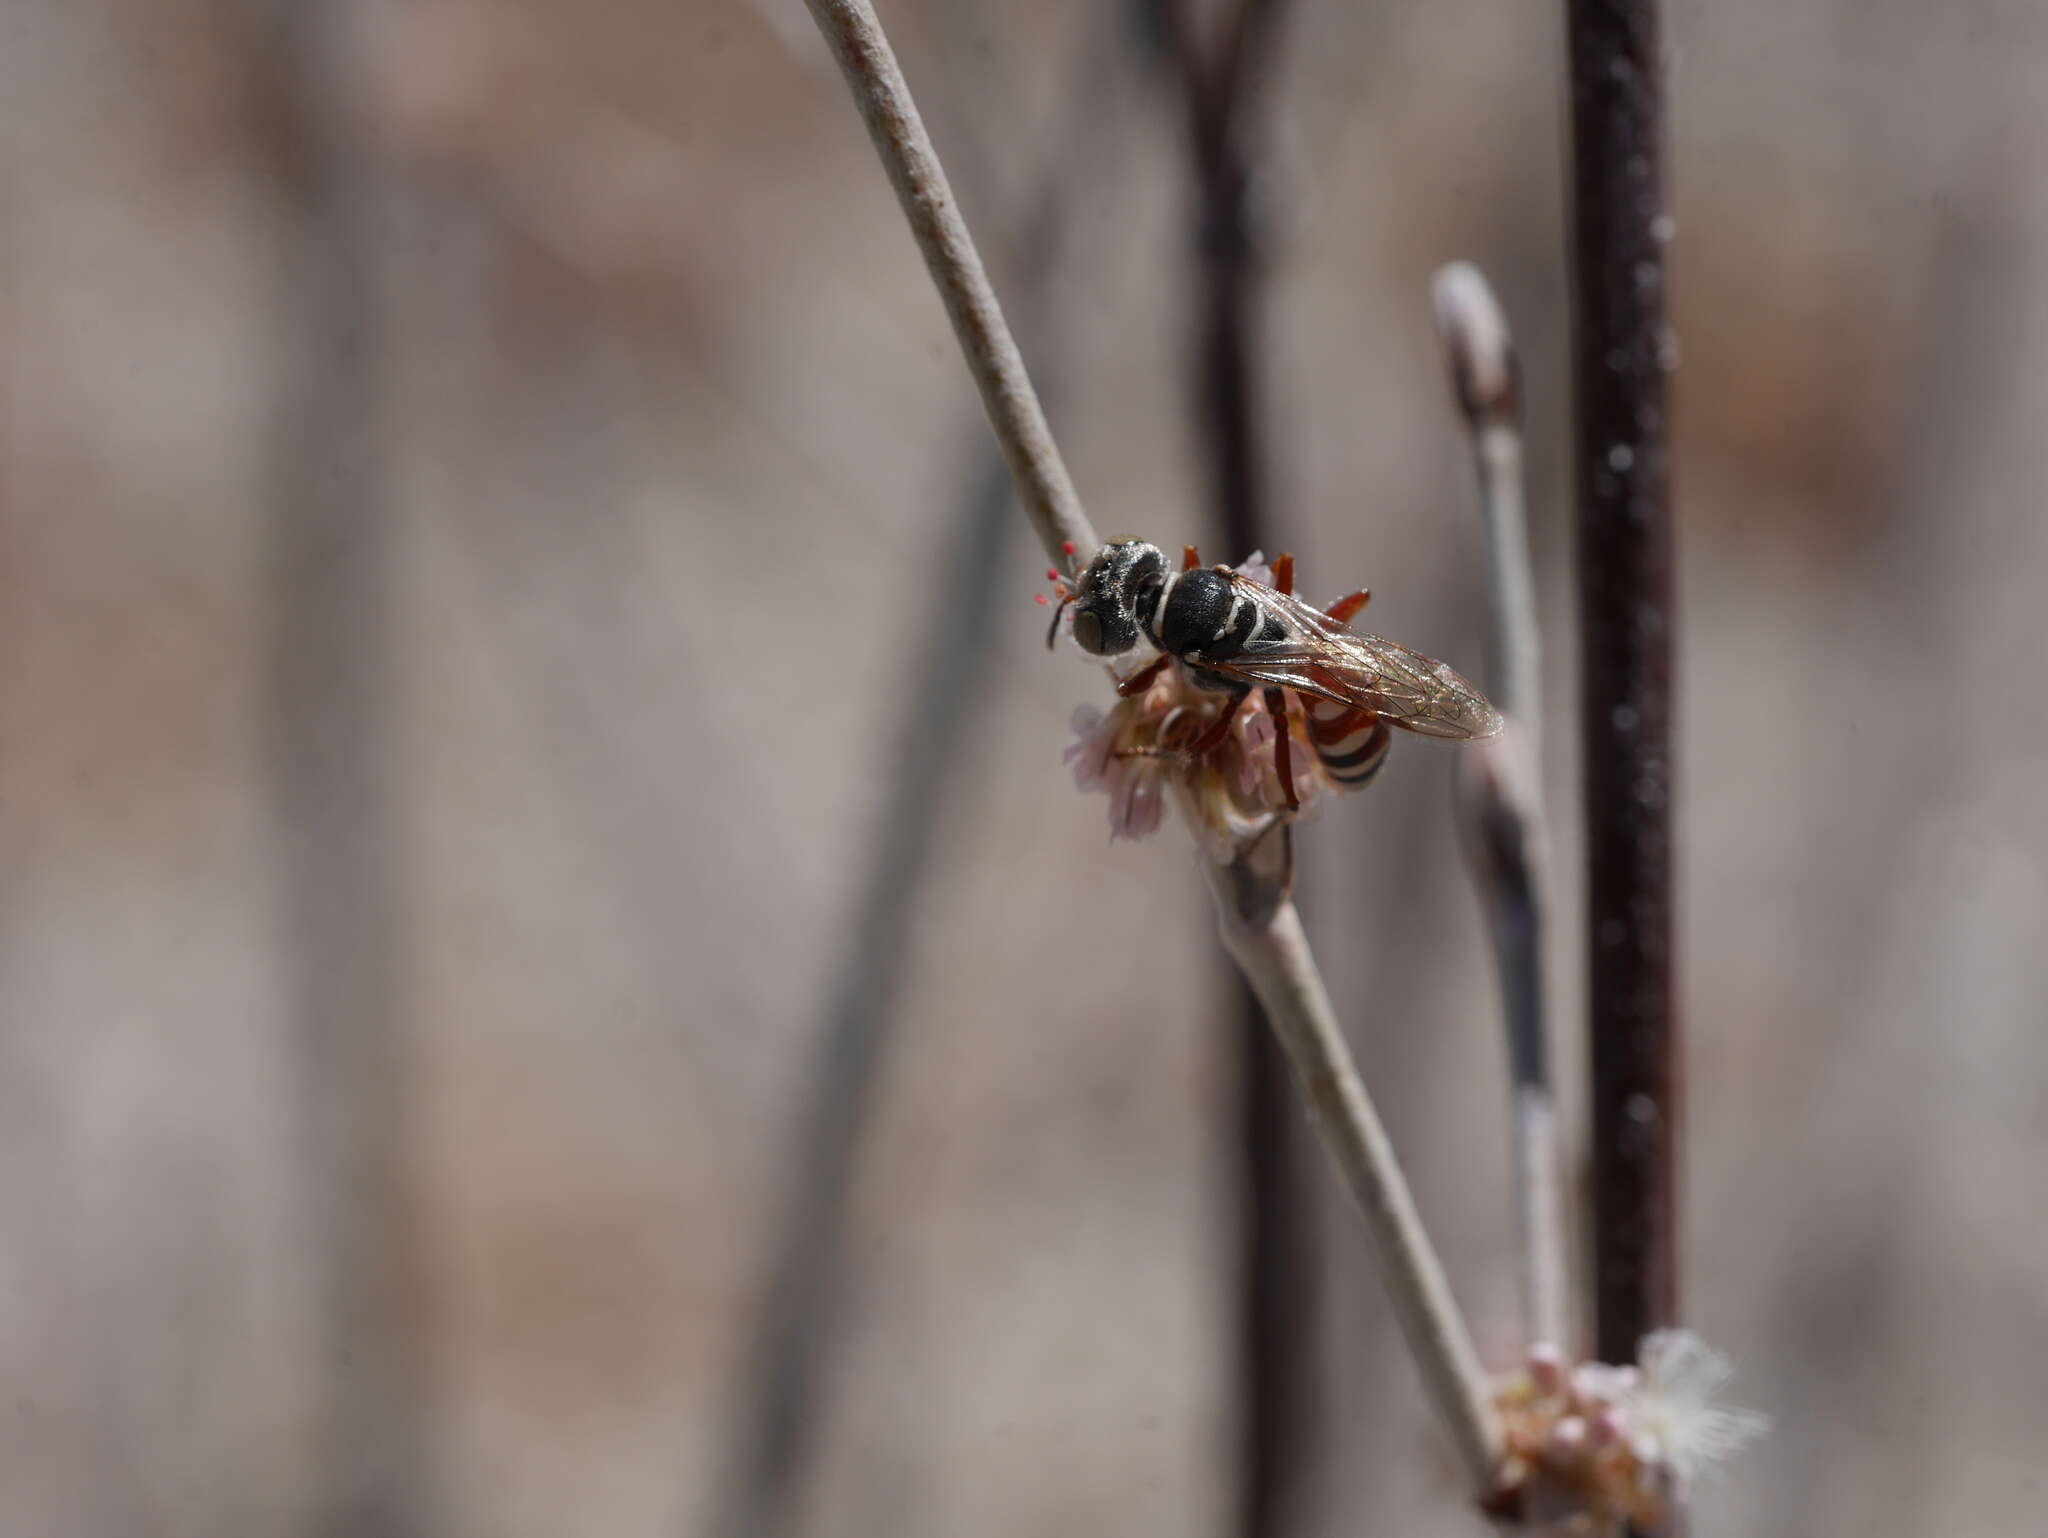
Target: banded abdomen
[[1350, 741]]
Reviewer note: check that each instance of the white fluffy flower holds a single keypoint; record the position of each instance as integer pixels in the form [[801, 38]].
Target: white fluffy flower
[[1597, 1445], [1670, 1416]]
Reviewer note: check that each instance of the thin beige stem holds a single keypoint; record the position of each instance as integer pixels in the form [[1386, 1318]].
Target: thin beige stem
[[1501, 787], [1487, 379], [1275, 958], [1540, 1217], [1259, 924], [880, 91]]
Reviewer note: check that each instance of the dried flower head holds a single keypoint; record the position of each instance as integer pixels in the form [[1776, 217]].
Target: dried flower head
[[1136, 752], [1593, 1445]]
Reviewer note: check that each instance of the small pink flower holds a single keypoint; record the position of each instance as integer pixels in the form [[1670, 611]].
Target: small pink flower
[[1137, 801], [1090, 753], [1258, 759], [1255, 567], [1600, 1445], [1118, 754], [1136, 754]]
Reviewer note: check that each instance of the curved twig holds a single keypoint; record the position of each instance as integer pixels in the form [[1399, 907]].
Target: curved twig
[[1501, 786]]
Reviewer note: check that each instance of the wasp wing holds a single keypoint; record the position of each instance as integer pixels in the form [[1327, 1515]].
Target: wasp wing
[[1326, 659]]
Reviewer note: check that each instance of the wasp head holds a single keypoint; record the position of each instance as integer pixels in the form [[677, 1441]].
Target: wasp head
[[1112, 593]]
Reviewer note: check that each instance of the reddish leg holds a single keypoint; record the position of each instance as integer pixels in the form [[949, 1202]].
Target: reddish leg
[[1141, 680], [1214, 734], [1190, 558], [1283, 746], [1283, 572], [1342, 610]]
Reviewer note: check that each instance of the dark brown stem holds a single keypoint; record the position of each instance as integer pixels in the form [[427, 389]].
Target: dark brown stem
[[1623, 355], [1221, 84]]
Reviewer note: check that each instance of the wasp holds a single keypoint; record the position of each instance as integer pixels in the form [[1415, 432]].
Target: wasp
[[1232, 634]]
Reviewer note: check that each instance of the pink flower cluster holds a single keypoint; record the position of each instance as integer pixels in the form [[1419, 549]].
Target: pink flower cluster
[[1592, 1446], [1136, 753]]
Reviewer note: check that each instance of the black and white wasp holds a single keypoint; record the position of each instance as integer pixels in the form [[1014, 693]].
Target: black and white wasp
[[1232, 634]]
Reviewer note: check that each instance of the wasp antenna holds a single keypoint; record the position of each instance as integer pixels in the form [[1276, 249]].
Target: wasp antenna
[[1052, 632]]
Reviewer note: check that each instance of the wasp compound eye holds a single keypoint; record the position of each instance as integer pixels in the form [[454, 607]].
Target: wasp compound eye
[[1088, 631]]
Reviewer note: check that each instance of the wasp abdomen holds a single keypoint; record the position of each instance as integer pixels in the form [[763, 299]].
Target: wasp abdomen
[[1350, 741]]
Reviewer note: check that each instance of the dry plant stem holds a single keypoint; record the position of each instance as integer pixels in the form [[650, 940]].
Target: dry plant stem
[[1259, 924], [1263, 934], [879, 90], [1622, 354], [1486, 378], [1497, 455], [1515, 883], [779, 1397], [1501, 790]]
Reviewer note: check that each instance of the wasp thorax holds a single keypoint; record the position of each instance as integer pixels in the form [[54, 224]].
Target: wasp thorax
[[1108, 601]]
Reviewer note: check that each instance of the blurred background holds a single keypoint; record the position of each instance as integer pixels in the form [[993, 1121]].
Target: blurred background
[[529, 774]]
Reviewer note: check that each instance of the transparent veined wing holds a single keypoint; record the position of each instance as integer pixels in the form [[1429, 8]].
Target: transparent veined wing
[[1326, 659]]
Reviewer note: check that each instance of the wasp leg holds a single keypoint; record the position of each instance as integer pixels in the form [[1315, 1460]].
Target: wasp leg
[[1283, 746], [1190, 558], [1283, 572], [1342, 610], [1217, 728], [1141, 680]]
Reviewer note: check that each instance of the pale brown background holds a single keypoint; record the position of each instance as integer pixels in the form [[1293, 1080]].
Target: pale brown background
[[473, 488]]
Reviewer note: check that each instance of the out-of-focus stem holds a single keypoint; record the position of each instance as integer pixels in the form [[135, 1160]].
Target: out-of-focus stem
[[1222, 86], [1222, 83], [333, 686], [1622, 355], [1486, 376], [1263, 934], [1501, 788], [883, 96]]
